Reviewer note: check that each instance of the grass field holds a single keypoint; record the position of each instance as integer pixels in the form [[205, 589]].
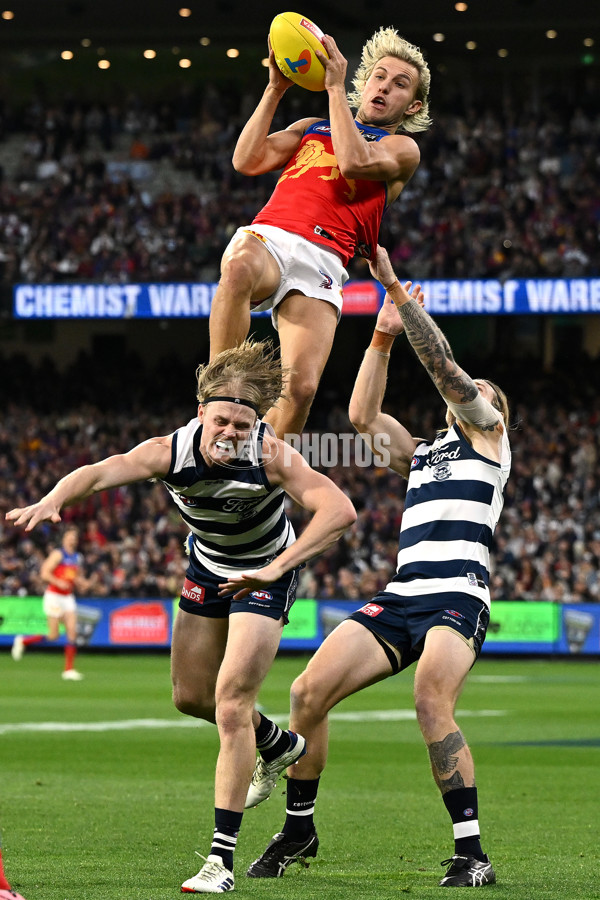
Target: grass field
[[106, 790]]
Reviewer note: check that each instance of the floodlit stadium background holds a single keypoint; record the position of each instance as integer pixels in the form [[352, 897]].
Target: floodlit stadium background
[[144, 102], [106, 789]]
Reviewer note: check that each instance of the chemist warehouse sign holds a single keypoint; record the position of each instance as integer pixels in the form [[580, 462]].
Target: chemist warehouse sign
[[179, 301]]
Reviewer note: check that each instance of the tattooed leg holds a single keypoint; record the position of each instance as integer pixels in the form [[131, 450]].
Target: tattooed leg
[[446, 757]]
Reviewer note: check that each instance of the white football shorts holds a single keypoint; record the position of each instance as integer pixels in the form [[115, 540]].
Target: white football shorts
[[306, 267], [56, 605]]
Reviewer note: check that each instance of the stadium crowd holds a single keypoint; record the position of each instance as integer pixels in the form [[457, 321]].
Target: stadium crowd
[[133, 190], [145, 191], [547, 545]]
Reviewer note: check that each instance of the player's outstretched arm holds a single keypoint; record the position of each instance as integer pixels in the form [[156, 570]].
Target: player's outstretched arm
[[257, 151], [382, 432], [151, 459], [431, 346], [426, 338]]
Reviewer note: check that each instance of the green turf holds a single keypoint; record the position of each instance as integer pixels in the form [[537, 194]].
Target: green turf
[[115, 815]]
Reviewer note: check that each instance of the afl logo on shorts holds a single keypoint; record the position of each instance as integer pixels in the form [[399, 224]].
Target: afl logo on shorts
[[453, 612], [193, 592], [371, 609], [262, 595]]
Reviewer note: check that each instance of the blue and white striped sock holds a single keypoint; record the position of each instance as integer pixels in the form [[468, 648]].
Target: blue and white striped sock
[[227, 828], [271, 741]]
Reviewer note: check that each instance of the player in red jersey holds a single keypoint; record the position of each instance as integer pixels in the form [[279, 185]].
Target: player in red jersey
[[61, 572], [6, 892], [340, 175]]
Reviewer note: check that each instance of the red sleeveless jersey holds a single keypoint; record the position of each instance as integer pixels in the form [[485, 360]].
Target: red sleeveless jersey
[[66, 569], [314, 200]]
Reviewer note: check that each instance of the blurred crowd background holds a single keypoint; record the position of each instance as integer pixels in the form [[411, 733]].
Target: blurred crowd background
[[144, 190], [137, 190], [547, 546]]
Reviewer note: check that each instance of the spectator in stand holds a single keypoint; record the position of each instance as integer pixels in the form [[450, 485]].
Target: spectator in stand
[[496, 194]]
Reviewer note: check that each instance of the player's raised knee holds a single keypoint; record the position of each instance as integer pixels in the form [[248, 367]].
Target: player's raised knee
[[190, 703]]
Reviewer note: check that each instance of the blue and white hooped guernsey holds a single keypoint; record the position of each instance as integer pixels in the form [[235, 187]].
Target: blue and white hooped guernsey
[[453, 502], [237, 518]]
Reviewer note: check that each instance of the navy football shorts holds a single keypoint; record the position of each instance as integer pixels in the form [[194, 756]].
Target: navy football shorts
[[404, 621], [199, 595]]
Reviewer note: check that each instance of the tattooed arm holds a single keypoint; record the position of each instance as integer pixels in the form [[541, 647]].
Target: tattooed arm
[[431, 346]]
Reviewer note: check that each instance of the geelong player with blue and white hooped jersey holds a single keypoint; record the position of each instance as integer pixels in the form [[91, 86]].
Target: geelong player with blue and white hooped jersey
[[435, 610], [453, 502], [237, 518], [229, 477]]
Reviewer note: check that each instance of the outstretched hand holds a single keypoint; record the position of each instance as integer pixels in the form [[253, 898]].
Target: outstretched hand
[[43, 511], [389, 319], [381, 268]]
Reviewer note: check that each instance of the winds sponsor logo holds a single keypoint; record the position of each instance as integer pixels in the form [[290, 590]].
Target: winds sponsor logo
[[371, 609], [192, 591]]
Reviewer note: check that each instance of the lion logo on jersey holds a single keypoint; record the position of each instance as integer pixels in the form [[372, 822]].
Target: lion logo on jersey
[[313, 154]]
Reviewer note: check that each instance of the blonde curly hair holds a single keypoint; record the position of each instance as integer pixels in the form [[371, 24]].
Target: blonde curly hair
[[251, 371], [387, 42]]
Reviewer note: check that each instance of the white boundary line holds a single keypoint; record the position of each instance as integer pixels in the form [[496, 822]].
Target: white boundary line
[[373, 715]]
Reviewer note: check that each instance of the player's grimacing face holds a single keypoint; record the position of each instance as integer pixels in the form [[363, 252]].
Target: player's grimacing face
[[389, 92], [226, 427]]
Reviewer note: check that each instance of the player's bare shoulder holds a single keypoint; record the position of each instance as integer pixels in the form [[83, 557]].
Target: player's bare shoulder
[[301, 126], [279, 459]]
